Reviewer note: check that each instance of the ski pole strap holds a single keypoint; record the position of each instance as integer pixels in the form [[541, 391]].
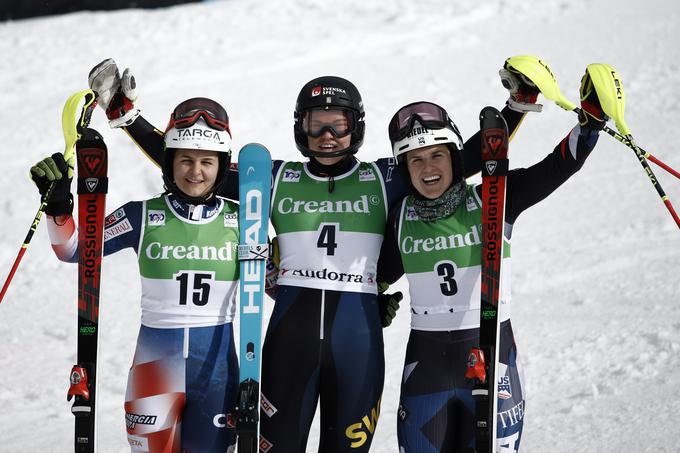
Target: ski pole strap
[[248, 252]]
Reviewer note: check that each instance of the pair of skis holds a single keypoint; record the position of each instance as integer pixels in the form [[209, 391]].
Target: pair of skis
[[255, 169], [482, 361], [92, 186]]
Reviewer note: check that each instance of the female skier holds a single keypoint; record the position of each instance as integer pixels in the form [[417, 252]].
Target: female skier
[[184, 376], [324, 340], [435, 239]]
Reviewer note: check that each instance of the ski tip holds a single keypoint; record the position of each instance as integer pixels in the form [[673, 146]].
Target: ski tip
[[489, 112], [490, 117]]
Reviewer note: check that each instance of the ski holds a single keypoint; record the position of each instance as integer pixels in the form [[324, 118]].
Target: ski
[[483, 361], [255, 169], [92, 165]]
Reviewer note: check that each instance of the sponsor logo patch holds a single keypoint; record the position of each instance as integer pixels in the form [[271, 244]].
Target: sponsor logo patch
[[402, 413], [504, 390], [155, 217], [224, 420], [132, 420], [114, 217], [116, 230], [323, 274], [411, 214], [138, 443], [230, 219], [265, 445], [471, 205], [291, 176], [366, 175], [326, 91], [267, 406], [512, 416]]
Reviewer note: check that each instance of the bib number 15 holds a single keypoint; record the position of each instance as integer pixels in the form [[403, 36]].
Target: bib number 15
[[194, 284]]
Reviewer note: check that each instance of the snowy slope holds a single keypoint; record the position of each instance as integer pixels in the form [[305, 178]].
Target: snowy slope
[[596, 266]]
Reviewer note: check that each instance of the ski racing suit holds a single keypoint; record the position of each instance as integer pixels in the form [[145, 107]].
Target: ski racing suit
[[324, 339], [442, 262], [184, 376]]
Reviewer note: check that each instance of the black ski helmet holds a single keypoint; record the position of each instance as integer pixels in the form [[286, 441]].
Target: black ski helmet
[[201, 124], [422, 124], [329, 92]]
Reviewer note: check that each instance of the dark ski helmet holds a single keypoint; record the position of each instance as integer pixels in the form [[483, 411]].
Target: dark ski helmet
[[422, 124], [202, 124], [327, 93]]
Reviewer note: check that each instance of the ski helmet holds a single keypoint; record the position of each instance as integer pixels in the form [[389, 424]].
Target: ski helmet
[[329, 93], [422, 124], [201, 124]]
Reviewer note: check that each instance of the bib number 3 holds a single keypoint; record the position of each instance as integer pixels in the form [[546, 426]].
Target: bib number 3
[[446, 272]]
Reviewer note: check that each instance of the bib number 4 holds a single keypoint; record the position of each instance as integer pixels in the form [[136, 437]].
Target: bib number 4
[[327, 238]]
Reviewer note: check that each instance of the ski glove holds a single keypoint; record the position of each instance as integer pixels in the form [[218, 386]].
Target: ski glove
[[55, 170], [591, 116], [523, 92], [115, 94], [388, 304]]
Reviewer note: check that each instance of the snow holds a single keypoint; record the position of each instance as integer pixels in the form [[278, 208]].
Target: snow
[[595, 266]]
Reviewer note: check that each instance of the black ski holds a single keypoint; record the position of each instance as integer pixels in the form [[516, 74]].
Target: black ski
[[92, 187]]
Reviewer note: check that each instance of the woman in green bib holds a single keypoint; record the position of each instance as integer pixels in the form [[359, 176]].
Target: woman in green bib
[[434, 237], [183, 380]]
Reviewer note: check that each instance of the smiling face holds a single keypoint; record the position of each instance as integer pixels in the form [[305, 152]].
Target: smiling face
[[430, 170], [195, 171], [327, 142]]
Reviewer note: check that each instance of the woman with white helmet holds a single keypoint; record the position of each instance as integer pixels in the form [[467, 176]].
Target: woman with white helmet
[[434, 237], [184, 376]]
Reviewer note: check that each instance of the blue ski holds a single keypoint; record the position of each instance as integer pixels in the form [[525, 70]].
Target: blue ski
[[255, 170]]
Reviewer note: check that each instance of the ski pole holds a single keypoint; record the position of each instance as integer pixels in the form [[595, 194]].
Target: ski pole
[[71, 126], [610, 93], [609, 89], [647, 155], [652, 177], [27, 240]]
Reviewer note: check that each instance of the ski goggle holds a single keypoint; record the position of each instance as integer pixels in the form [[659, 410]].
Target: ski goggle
[[429, 115], [188, 112], [339, 122]]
